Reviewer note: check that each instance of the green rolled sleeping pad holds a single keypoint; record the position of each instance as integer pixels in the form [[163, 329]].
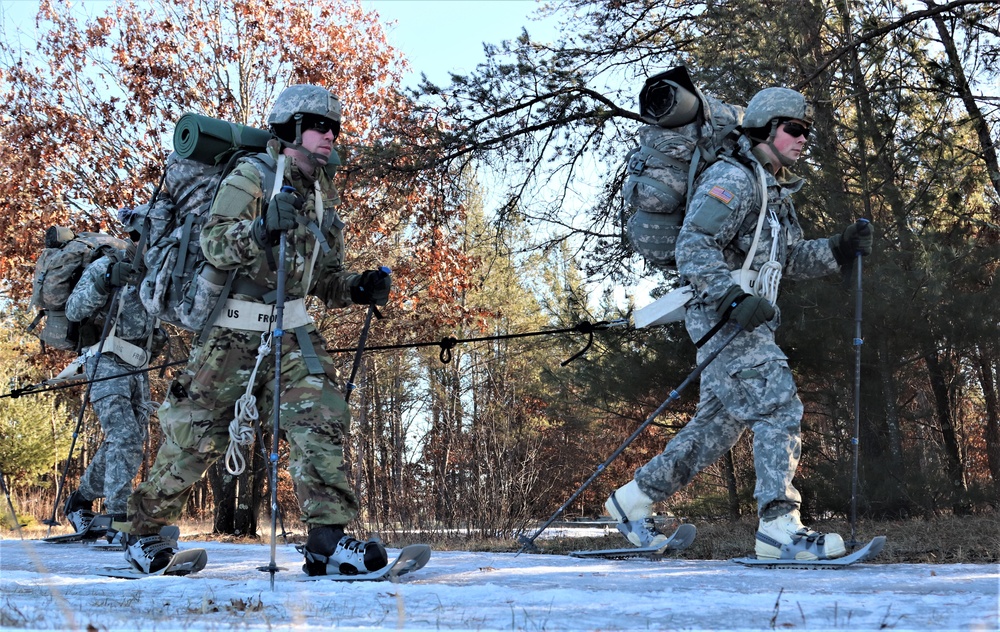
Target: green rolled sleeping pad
[[211, 141]]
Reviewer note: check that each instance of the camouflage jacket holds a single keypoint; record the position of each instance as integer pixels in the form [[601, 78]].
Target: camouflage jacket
[[228, 244], [719, 228], [86, 300]]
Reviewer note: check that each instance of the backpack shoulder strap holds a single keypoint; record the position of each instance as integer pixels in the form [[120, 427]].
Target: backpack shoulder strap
[[266, 167]]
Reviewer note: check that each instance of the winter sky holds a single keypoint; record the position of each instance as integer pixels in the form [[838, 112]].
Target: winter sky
[[436, 36]]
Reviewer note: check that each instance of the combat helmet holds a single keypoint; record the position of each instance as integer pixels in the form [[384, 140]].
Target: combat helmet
[[776, 103], [304, 99]]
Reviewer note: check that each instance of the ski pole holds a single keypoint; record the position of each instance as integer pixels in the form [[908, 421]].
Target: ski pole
[[855, 440], [52, 522], [10, 505], [674, 396], [372, 310], [265, 453], [279, 304]]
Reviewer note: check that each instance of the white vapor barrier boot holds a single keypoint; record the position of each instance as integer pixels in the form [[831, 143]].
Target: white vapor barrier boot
[[786, 538], [634, 512]]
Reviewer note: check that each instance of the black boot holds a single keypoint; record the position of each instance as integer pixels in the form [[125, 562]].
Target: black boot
[[79, 511], [329, 551]]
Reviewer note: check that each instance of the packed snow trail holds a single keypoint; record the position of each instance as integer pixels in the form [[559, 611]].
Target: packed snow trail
[[46, 586]]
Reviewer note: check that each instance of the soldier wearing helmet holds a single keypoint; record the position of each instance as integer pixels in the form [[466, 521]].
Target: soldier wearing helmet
[[119, 394], [302, 108], [740, 236], [230, 366]]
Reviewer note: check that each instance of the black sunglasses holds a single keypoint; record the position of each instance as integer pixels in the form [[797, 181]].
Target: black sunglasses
[[320, 124], [796, 129]]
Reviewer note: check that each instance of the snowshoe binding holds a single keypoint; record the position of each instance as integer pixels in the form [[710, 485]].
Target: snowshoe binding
[[149, 553], [784, 537], [114, 537], [329, 552]]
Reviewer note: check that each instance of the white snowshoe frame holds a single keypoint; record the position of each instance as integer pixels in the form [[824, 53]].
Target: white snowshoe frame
[[867, 552], [679, 540]]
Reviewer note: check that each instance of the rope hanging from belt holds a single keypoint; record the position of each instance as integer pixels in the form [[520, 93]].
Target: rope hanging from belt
[[246, 414]]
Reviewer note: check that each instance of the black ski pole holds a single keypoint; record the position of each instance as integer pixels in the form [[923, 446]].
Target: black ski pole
[[10, 505], [52, 522], [855, 440], [674, 396], [265, 453], [372, 310], [279, 304]]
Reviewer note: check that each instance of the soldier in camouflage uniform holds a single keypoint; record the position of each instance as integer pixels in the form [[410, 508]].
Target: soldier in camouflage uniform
[[122, 404], [242, 234], [749, 385]]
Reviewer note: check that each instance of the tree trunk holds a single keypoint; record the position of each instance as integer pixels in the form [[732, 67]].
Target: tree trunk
[[942, 405], [250, 494], [988, 381], [960, 83], [224, 491], [729, 470], [889, 399], [238, 498]]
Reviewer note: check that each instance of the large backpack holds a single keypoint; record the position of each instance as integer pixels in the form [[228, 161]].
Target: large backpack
[[687, 132], [178, 285], [57, 270]]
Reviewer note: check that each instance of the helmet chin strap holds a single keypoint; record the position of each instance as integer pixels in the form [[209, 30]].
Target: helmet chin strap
[[316, 161], [785, 160]]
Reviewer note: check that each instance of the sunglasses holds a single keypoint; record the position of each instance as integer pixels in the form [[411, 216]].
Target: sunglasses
[[321, 125], [796, 129]]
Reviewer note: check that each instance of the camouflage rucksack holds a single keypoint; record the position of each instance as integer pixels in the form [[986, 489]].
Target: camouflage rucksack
[[688, 131], [57, 270], [178, 285]]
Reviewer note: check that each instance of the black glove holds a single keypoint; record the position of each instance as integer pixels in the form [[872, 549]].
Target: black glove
[[279, 217], [744, 309], [119, 274], [856, 239], [372, 286]]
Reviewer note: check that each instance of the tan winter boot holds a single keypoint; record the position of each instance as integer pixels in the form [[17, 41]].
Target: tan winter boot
[[634, 512], [785, 537]]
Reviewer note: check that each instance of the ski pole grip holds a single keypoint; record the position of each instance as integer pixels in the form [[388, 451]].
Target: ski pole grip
[[861, 224], [299, 201]]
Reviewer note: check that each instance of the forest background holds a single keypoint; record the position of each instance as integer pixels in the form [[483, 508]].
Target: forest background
[[494, 198]]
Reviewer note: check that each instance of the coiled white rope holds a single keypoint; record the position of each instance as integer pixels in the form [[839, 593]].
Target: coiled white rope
[[769, 276], [241, 427]]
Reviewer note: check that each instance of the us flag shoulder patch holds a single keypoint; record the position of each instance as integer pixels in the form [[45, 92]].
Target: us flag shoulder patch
[[721, 194]]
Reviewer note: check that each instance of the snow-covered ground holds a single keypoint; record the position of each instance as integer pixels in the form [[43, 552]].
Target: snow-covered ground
[[47, 586]]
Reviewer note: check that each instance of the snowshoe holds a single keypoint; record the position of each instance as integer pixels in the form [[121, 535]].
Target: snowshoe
[[786, 538], [329, 552], [633, 510], [150, 553]]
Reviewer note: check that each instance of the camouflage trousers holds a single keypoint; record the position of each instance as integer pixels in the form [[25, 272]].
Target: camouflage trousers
[[122, 405], [748, 386], [195, 419]]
